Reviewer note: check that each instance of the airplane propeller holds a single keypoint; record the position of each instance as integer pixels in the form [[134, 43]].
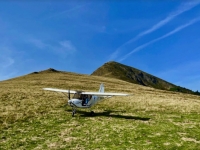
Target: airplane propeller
[[69, 94]]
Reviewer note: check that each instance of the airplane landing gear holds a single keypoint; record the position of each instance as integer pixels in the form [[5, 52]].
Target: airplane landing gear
[[73, 112]]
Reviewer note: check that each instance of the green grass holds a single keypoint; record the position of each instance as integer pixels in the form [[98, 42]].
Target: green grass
[[31, 118]]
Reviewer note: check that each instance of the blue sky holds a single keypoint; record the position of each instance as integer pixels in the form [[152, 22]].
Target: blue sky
[[160, 38]]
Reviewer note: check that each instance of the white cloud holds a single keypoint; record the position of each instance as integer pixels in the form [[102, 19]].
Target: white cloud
[[114, 55], [38, 43], [67, 45], [6, 59], [183, 68], [7, 75], [160, 38], [6, 62], [181, 9], [75, 8], [185, 74], [61, 48]]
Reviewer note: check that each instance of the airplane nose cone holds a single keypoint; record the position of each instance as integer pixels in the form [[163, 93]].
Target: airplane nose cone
[[69, 102]]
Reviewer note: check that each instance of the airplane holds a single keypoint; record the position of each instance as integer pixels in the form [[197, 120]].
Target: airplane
[[83, 99]]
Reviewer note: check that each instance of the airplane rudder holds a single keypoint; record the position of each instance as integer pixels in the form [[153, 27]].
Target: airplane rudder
[[101, 89]]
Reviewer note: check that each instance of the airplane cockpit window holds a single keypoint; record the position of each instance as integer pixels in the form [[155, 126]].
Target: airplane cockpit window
[[82, 97], [77, 96]]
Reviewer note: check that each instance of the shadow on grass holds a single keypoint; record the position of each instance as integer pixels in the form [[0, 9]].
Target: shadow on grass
[[107, 113]]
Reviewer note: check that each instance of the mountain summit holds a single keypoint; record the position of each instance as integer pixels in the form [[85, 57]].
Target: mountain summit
[[116, 70]]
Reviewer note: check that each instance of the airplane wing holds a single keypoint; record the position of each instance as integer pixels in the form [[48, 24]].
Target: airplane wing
[[86, 93], [60, 90], [104, 94]]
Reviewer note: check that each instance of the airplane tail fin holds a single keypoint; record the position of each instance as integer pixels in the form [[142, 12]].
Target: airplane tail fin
[[101, 89]]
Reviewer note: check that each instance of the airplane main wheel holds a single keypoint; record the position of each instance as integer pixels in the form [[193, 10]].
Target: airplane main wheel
[[73, 113], [92, 113]]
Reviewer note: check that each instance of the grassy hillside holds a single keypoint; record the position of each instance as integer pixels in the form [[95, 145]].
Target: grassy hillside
[[31, 118], [119, 71]]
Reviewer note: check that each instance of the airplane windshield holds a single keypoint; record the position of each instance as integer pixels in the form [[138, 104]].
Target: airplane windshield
[[77, 96], [82, 96]]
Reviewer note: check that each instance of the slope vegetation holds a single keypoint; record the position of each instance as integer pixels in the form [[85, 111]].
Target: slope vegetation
[[119, 71], [31, 118]]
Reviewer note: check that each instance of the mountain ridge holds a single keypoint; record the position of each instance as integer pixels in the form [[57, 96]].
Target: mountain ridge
[[120, 71], [130, 74]]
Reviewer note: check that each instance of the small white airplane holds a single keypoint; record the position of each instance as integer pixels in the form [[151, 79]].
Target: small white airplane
[[83, 99]]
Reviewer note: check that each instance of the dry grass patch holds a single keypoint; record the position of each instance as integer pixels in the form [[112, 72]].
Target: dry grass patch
[[31, 118], [190, 140]]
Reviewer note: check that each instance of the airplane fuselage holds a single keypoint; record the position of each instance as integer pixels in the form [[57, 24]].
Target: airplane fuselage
[[77, 103], [80, 103]]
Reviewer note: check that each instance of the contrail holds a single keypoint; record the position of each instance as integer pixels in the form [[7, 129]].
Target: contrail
[[160, 38], [68, 11], [181, 9]]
